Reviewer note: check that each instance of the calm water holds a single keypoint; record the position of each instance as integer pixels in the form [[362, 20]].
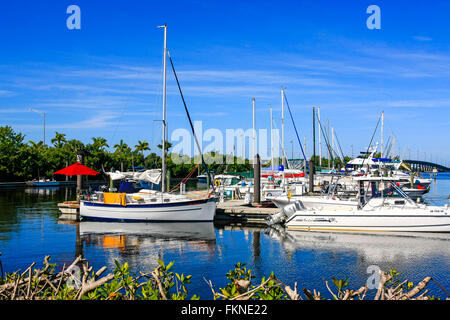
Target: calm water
[[29, 230]]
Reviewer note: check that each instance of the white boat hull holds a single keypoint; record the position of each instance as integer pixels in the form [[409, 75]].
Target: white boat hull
[[192, 211], [314, 202], [395, 220]]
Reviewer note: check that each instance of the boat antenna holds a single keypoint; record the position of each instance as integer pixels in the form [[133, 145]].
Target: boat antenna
[[190, 120]]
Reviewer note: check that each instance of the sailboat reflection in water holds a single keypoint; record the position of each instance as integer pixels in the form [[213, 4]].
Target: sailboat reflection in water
[[123, 236]]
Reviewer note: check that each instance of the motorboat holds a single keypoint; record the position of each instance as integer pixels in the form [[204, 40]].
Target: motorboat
[[390, 210]]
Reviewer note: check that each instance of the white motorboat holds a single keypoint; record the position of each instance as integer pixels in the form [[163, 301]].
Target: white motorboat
[[397, 213], [316, 202]]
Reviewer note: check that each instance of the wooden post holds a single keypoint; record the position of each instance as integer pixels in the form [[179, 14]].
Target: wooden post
[[80, 155], [168, 181], [311, 176], [257, 181]]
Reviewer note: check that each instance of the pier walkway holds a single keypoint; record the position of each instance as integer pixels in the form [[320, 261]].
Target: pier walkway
[[239, 210]]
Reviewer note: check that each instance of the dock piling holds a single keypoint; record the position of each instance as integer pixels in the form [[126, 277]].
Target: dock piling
[[257, 181]]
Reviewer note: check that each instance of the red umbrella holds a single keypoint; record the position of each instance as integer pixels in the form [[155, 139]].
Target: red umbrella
[[77, 169]]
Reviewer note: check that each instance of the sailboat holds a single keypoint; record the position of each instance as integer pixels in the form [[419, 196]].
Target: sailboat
[[150, 205]]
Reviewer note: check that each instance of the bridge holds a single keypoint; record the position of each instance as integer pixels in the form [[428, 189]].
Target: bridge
[[425, 166]]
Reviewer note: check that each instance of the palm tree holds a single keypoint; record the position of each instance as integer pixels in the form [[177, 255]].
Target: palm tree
[[121, 149], [59, 139], [100, 143], [36, 157], [168, 145], [142, 146]]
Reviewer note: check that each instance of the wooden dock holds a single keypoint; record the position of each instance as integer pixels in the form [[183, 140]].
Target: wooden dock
[[70, 210], [238, 210]]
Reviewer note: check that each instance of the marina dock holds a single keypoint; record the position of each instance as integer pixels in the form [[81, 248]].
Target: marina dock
[[239, 210]]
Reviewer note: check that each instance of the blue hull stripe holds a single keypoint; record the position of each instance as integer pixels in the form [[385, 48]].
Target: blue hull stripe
[[139, 220]]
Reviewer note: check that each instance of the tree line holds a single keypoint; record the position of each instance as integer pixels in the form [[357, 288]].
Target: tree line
[[22, 160]]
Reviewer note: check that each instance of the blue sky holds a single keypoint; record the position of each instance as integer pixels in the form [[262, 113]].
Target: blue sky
[[106, 79]]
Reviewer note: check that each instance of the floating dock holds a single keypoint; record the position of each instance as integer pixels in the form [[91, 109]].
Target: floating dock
[[70, 210], [239, 210]]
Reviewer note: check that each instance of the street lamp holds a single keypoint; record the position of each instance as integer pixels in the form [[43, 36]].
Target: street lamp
[[42, 114], [292, 150]]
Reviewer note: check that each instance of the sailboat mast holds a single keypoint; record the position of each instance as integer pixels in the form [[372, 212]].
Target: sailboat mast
[[254, 130], [382, 124], [163, 169], [320, 139], [282, 125], [271, 138]]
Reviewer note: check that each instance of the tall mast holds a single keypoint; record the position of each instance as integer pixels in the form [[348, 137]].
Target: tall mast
[[282, 124], [254, 129], [382, 123], [328, 134], [163, 169], [320, 140], [271, 138], [332, 143]]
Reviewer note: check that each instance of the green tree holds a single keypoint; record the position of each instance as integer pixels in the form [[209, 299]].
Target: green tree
[[142, 146], [12, 149], [122, 150], [100, 143], [59, 139]]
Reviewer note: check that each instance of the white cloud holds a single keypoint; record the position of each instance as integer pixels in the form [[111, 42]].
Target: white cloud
[[422, 38]]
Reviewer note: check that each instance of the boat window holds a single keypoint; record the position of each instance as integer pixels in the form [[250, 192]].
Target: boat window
[[399, 202]]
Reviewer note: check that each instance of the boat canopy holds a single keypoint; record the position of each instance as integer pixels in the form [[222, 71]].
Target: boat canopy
[[381, 160], [153, 175]]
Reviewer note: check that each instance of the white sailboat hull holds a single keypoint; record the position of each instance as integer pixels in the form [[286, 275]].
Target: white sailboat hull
[[192, 211], [392, 220]]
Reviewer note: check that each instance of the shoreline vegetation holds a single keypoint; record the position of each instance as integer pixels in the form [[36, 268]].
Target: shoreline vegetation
[[79, 281], [23, 161]]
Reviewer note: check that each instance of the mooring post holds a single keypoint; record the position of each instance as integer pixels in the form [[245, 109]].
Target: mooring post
[[80, 159], [168, 181], [257, 180], [311, 176]]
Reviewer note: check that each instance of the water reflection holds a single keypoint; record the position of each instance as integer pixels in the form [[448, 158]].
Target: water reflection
[[374, 248], [142, 244], [29, 230], [170, 231]]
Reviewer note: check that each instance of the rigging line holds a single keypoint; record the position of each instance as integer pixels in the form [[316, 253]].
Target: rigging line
[[295, 128], [190, 121], [370, 143], [342, 153], [330, 150], [282, 149]]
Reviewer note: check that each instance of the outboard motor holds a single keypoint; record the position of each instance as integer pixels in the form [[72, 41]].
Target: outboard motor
[[285, 213]]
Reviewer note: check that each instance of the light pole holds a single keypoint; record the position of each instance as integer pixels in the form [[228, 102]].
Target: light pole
[[42, 114], [292, 149]]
